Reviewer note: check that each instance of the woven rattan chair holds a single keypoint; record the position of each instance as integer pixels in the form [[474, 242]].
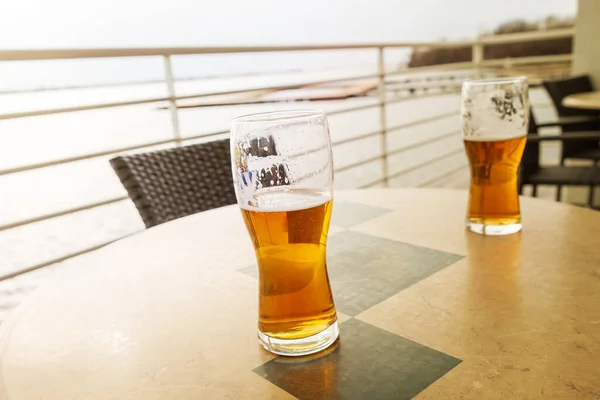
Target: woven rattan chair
[[169, 184]]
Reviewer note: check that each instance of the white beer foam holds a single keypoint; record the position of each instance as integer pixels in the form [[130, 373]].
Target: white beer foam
[[278, 200], [493, 137], [492, 113]]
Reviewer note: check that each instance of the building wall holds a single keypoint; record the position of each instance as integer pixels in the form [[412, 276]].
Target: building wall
[[587, 40]]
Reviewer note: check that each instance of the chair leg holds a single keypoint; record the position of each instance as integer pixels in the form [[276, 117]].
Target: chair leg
[[534, 190], [558, 192], [591, 197]]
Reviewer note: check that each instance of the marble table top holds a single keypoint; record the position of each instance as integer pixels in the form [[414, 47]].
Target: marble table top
[[427, 311]]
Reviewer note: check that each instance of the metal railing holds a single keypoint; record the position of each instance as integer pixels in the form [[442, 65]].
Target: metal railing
[[478, 64]]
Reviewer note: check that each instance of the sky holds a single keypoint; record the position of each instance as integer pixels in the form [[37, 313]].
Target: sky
[[38, 24], [122, 23]]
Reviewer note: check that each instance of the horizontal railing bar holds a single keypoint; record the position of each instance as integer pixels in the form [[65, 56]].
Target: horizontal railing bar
[[56, 54], [343, 141], [32, 268], [60, 54], [422, 143], [355, 138], [397, 86], [372, 183], [424, 120], [204, 135], [83, 157], [440, 177], [359, 163], [61, 213], [307, 152], [422, 95], [186, 97], [410, 169], [278, 87], [62, 110], [340, 111], [421, 165], [351, 109], [314, 172]]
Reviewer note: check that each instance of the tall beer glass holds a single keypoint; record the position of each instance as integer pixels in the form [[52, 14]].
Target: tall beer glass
[[495, 118], [283, 176]]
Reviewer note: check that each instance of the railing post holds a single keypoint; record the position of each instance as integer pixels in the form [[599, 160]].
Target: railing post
[[172, 102], [477, 59], [382, 111]]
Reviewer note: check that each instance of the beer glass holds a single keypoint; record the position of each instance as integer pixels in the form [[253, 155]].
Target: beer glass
[[283, 176], [495, 118]]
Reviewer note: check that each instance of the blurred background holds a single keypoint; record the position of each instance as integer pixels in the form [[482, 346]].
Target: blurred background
[[82, 82]]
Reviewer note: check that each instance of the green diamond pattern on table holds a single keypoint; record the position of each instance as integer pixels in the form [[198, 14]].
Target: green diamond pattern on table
[[365, 270], [368, 363]]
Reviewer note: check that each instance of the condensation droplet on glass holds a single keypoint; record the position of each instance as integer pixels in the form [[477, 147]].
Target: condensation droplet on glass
[[272, 182]]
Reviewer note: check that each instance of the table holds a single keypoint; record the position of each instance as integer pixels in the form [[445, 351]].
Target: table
[[588, 100], [431, 311]]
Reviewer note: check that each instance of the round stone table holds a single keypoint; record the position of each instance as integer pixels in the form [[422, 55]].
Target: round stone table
[[588, 100], [427, 310]]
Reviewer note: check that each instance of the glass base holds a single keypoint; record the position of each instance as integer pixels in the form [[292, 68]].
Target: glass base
[[301, 347], [494, 229]]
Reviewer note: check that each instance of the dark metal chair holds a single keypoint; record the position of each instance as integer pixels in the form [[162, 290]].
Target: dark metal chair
[[574, 119], [169, 184], [532, 173]]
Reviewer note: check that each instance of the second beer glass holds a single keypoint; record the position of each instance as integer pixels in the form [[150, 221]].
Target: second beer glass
[[495, 119]]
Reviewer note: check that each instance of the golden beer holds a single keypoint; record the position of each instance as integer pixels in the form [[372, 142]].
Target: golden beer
[[493, 195], [276, 156], [289, 231], [495, 121]]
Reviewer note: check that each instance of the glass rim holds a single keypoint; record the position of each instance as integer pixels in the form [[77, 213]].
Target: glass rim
[[495, 81], [278, 116]]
